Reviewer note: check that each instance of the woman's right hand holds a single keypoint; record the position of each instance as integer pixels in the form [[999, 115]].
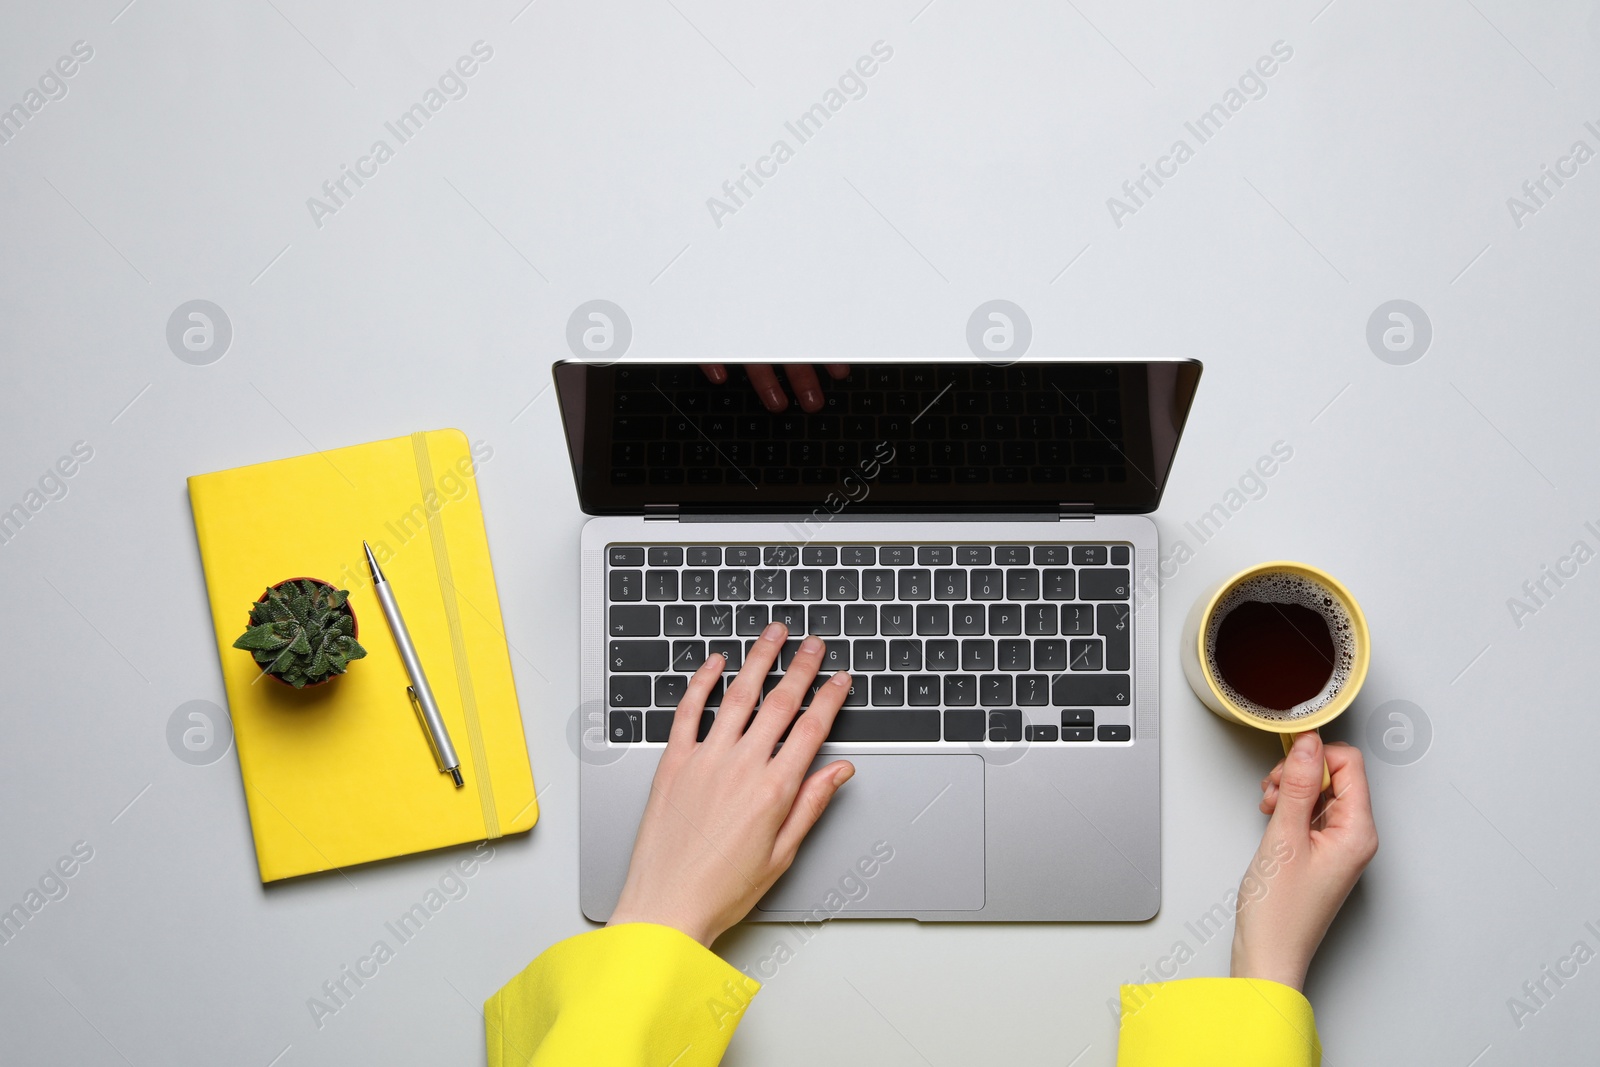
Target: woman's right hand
[[1310, 858]]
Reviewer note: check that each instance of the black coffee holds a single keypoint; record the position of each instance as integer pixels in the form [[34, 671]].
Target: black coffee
[[1276, 655]]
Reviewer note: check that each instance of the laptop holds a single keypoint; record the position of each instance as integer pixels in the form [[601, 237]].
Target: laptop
[[970, 541]]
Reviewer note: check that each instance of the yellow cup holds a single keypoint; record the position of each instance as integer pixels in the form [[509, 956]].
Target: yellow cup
[[1197, 668]]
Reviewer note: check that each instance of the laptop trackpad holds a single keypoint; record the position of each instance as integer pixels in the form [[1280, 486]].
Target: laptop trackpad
[[904, 835]]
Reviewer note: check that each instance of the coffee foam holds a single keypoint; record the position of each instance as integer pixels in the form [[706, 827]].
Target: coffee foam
[[1284, 588]]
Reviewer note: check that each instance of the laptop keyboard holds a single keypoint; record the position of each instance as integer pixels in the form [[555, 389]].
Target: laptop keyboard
[[994, 643]]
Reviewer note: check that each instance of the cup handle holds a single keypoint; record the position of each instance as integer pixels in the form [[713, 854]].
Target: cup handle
[[1288, 743]]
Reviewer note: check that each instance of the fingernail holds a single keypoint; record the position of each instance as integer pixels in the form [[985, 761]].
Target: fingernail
[[847, 772], [775, 400], [811, 644], [1304, 747], [811, 400], [1269, 792], [841, 679], [773, 632]]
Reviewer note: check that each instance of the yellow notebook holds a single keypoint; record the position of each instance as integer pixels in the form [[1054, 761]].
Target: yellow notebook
[[341, 773]]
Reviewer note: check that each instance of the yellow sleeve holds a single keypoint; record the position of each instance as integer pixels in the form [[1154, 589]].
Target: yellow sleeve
[[1217, 1022], [628, 995]]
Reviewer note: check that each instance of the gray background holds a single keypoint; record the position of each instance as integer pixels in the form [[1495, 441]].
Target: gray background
[[977, 166]]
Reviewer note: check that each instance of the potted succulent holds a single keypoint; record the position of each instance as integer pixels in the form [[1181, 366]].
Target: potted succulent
[[302, 632]]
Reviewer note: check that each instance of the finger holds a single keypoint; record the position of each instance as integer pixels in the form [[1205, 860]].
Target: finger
[[764, 380], [745, 691], [838, 371], [686, 719], [1350, 807], [811, 728], [715, 372], [809, 804], [803, 380], [783, 703], [1300, 787]]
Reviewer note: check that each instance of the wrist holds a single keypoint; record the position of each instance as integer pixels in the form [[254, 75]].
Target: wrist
[[693, 930], [1272, 967]]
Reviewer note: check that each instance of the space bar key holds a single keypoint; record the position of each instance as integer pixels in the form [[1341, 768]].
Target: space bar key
[[919, 725]]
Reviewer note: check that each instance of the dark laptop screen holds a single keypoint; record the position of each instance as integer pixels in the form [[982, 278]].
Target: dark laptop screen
[[946, 436]]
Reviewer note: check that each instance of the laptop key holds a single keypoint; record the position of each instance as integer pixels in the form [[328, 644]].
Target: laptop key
[[1005, 725], [1033, 690], [960, 690], [967, 620], [1011, 555], [1041, 733], [826, 619], [860, 620], [1119, 555], [1097, 690], [625, 557], [1077, 717], [793, 617], [1087, 655], [678, 621], [916, 583], [1077, 733], [1013, 655], [1005, 619], [780, 556], [1089, 555], [705, 556], [805, 585], [858, 556], [974, 555], [627, 727], [896, 620], [1050, 555], [943, 655], [877, 584], [922, 690], [787, 653], [1059, 584], [688, 655], [870, 656], [977, 655], [935, 556], [629, 691], [988, 584], [842, 585], [732, 651], [888, 691], [819, 556], [857, 696], [897, 556], [666, 556], [643, 620], [670, 689], [1109, 584], [1022, 584], [699, 585], [630, 656], [661, 585], [950, 585], [1116, 733], [1039, 620], [716, 620], [733, 585], [1111, 621], [750, 619], [835, 656], [906, 724], [744, 556], [627, 585], [965, 725], [994, 690], [905, 655], [771, 585], [1077, 619], [1050, 655], [933, 620]]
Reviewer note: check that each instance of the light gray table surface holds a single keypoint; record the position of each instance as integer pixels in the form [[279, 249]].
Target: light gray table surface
[[1378, 162]]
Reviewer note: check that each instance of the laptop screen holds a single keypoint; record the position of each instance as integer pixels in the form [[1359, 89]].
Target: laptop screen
[[948, 436]]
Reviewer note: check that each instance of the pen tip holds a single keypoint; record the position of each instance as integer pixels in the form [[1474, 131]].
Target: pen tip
[[455, 772]]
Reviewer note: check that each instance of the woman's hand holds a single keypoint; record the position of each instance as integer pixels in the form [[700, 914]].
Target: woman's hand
[[726, 816], [764, 380], [1309, 860]]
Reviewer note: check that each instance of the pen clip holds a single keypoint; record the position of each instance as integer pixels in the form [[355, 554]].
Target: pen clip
[[416, 706]]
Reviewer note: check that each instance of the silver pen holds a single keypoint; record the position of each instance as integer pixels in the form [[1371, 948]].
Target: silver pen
[[427, 709]]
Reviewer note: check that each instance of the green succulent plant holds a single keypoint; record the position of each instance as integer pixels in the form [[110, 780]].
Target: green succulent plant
[[302, 632]]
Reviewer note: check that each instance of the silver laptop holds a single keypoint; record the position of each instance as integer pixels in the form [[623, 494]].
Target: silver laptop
[[970, 541]]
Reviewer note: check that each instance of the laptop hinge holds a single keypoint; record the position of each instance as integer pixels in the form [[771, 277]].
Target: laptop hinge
[[661, 513], [1075, 511]]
